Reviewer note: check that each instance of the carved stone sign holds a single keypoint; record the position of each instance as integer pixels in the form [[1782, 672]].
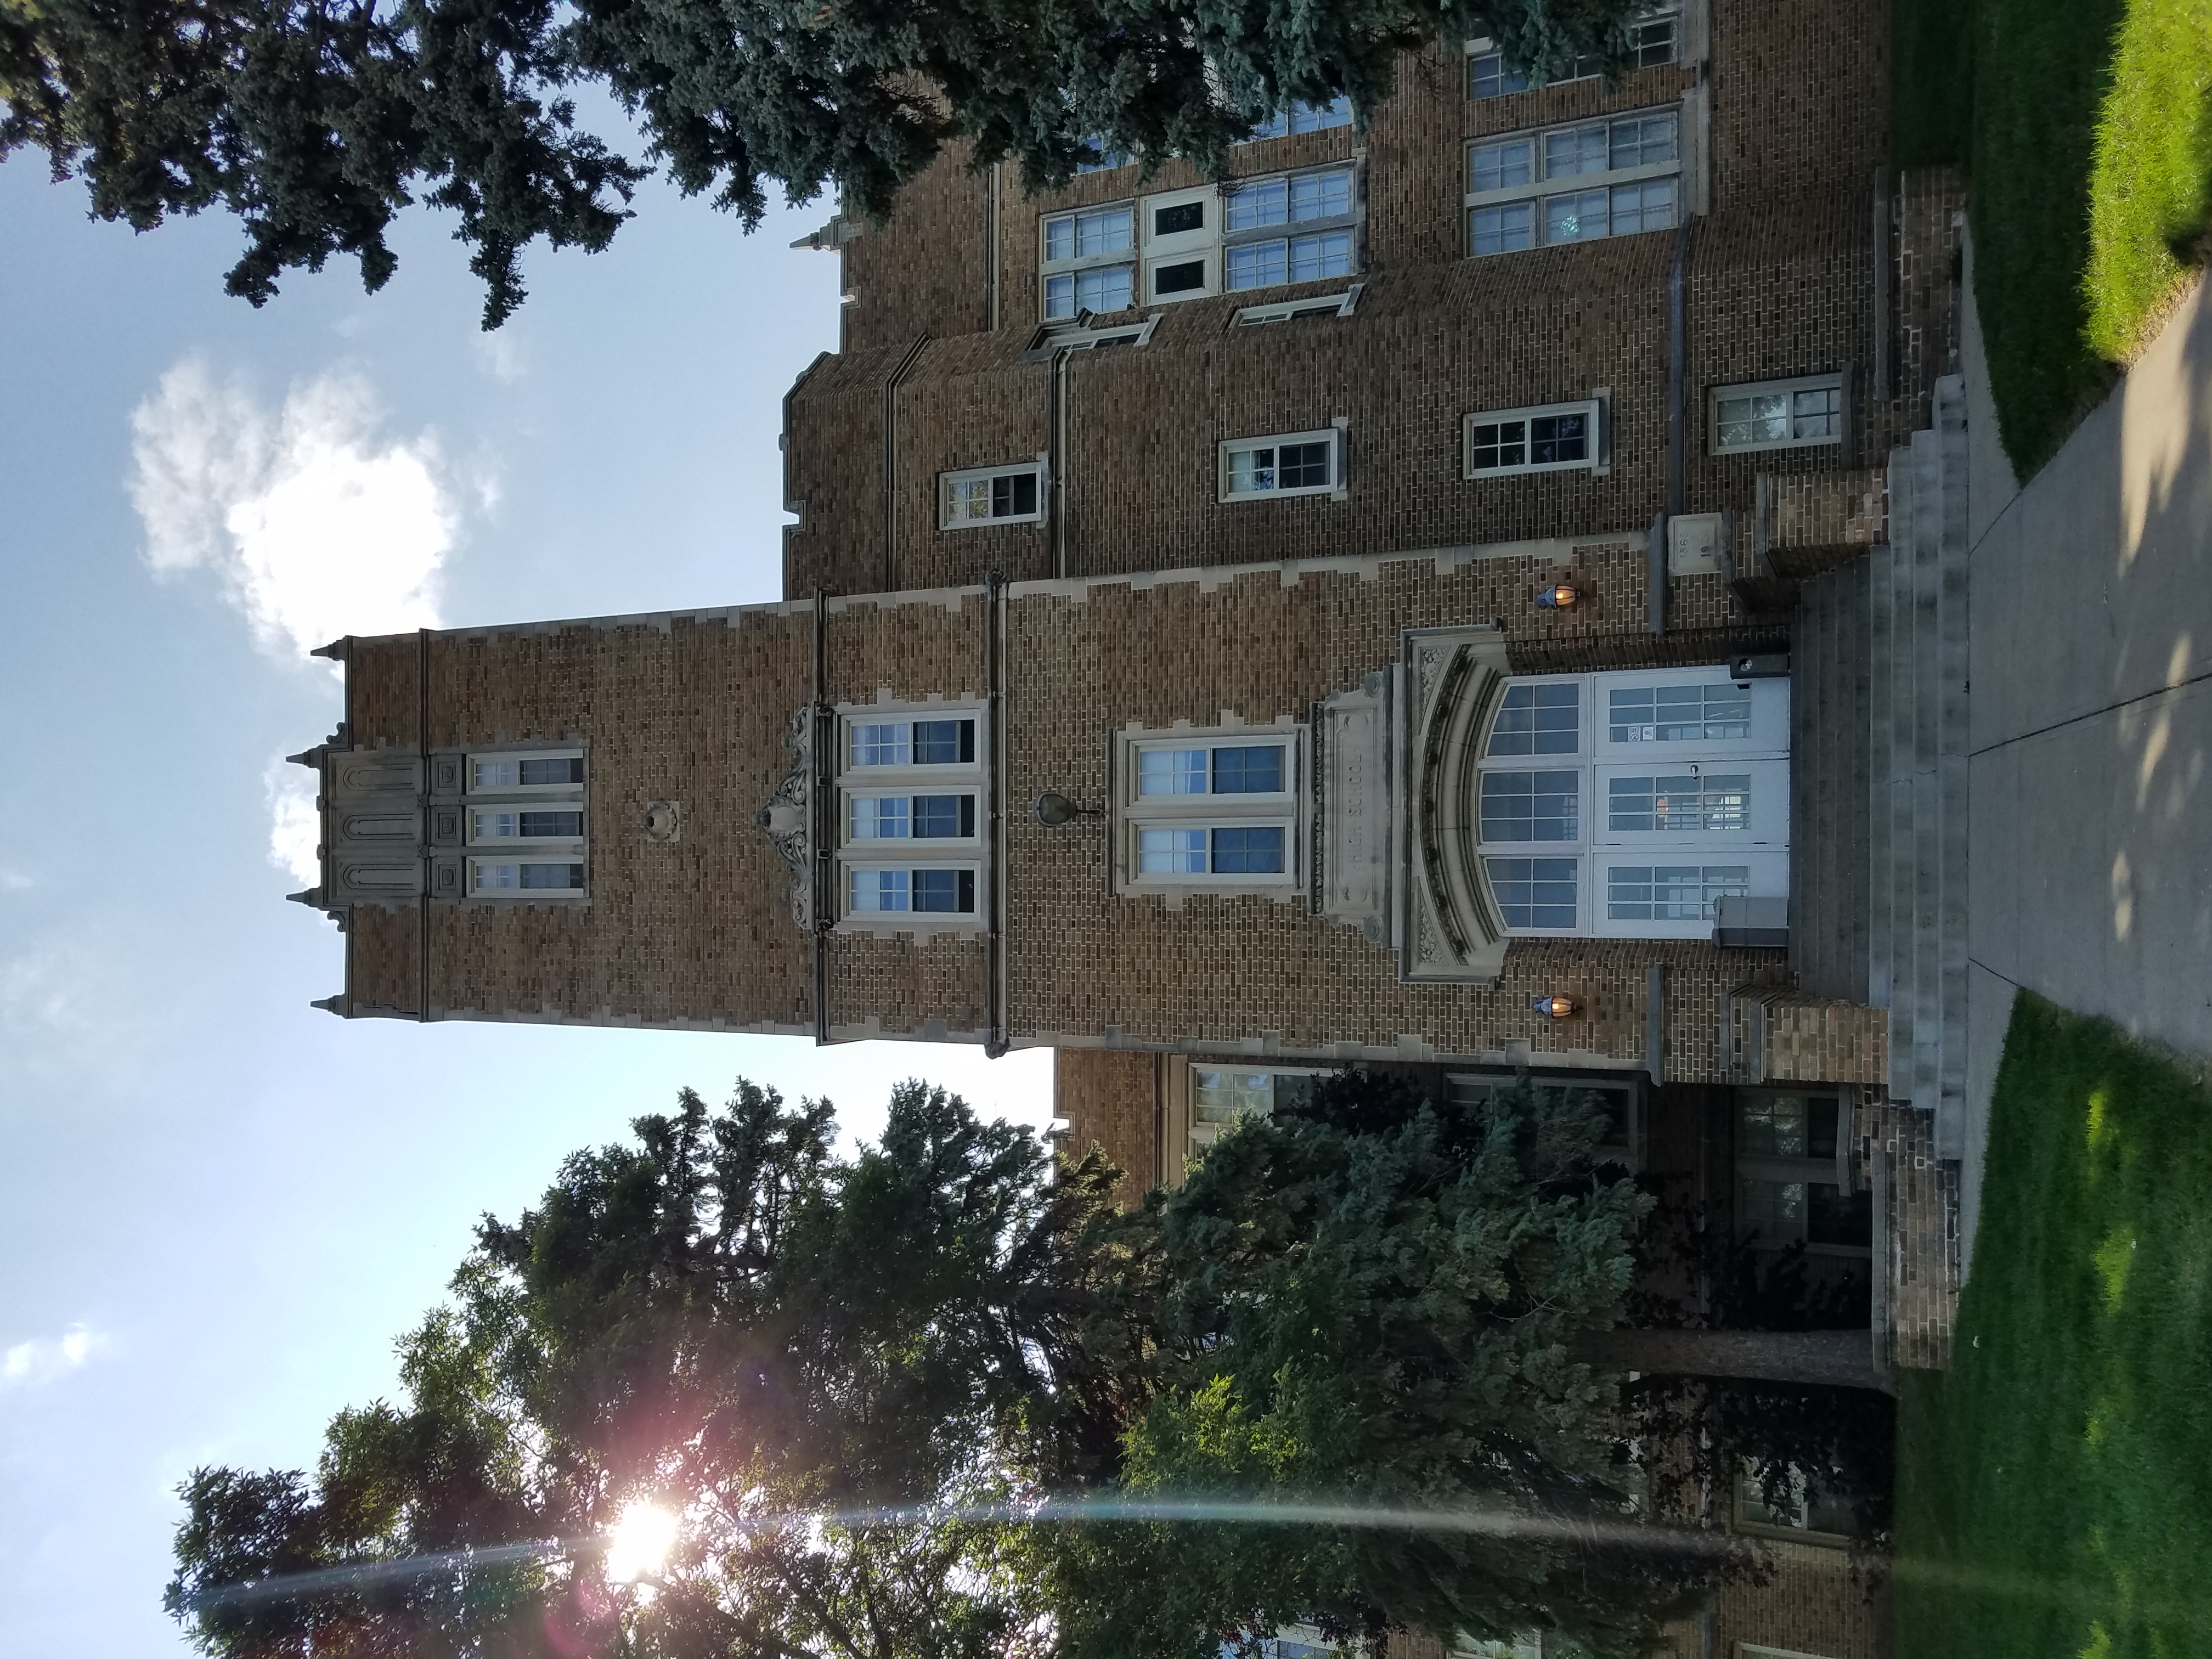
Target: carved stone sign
[[1356, 808]]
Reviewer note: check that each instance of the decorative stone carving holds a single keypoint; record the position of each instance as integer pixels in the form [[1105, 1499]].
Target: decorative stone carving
[[1447, 930], [1357, 795], [788, 816], [663, 822]]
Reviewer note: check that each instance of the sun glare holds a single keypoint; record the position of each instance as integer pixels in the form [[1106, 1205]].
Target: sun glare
[[640, 1542]]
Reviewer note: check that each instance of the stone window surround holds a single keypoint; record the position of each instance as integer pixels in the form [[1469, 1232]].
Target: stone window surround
[[1598, 406], [1285, 311], [1837, 381], [1740, 1523], [1338, 434], [524, 795], [958, 778], [1292, 809], [1143, 249]]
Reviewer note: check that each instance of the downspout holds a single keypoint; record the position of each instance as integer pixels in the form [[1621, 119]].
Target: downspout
[[994, 943], [423, 752], [891, 462], [817, 800], [1055, 426], [991, 251], [1676, 350]]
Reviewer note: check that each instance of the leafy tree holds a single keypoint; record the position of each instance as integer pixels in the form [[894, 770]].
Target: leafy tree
[[1375, 1298], [316, 121], [727, 1321]]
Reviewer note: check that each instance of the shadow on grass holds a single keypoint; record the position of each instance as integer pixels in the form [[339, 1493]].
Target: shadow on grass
[[2055, 1486], [2086, 129]]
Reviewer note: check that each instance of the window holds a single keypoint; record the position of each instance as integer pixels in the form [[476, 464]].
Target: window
[[506, 774], [1585, 826], [910, 818], [1794, 1184], [1218, 810], [1089, 260], [1315, 215], [523, 824], [518, 877], [1679, 713], [1104, 158], [987, 495], [1778, 415], [1574, 183], [1285, 311], [1292, 464], [1813, 1510], [875, 891], [1303, 117], [1549, 439], [1653, 39], [933, 742]]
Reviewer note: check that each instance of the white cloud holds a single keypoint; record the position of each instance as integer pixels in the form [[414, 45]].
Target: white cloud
[[51, 989], [499, 354], [15, 881], [43, 1358], [316, 523], [295, 827]]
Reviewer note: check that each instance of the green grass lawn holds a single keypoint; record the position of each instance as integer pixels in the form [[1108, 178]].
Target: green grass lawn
[[2055, 1485], [2086, 129]]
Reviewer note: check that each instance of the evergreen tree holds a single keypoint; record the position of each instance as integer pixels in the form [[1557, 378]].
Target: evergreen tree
[[1373, 1299], [316, 121]]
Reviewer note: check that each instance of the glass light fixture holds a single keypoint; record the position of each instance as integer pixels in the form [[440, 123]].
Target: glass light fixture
[[1560, 596], [1558, 1006]]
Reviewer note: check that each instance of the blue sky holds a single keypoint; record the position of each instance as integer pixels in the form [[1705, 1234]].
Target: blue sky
[[219, 1206]]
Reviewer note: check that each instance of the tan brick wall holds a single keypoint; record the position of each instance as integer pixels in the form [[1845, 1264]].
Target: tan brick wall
[[1915, 1231], [1817, 521], [1085, 965], [1111, 1101], [1833, 1603], [1817, 1040]]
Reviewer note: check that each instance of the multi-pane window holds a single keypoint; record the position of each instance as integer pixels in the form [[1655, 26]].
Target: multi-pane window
[[526, 823], [948, 741], [1291, 464], [1531, 806], [1535, 895], [986, 496], [1303, 199], [1795, 1506], [1621, 1138], [1792, 1188], [520, 876], [1549, 439], [1653, 39], [1693, 800], [1777, 414], [1679, 713], [1089, 262], [508, 772], [910, 815], [1220, 807], [1219, 1095], [1543, 718], [1671, 892], [1303, 117], [525, 811], [1584, 826], [1574, 183], [876, 891], [1104, 157]]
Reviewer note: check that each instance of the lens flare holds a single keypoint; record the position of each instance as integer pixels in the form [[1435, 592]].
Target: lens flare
[[640, 1542]]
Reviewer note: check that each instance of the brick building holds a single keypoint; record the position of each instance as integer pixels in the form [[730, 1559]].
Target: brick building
[[1169, 673]]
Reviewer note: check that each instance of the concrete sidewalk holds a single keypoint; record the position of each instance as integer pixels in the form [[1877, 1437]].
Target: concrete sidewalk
[[2090, 879]]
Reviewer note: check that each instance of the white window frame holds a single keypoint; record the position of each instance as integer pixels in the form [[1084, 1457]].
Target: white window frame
[[477, 862], [1284, 311], [520, 844], [1669, 11], [955, 777], [1075, 263], [1836, 383], [947, 482], [1756, 1650], [1065, 334], [1322, 118], [1738, 1522], [1180, 248], [1594, 409], [1287, 809], [1351, 223], [1596, 850], [1628, 1151], [1541, 187], [474, 758], [1333, 435]]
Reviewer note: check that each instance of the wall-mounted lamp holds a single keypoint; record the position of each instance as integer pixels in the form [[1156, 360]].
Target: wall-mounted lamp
[[1558, 1006], [1053, 809], [1560, 596]]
